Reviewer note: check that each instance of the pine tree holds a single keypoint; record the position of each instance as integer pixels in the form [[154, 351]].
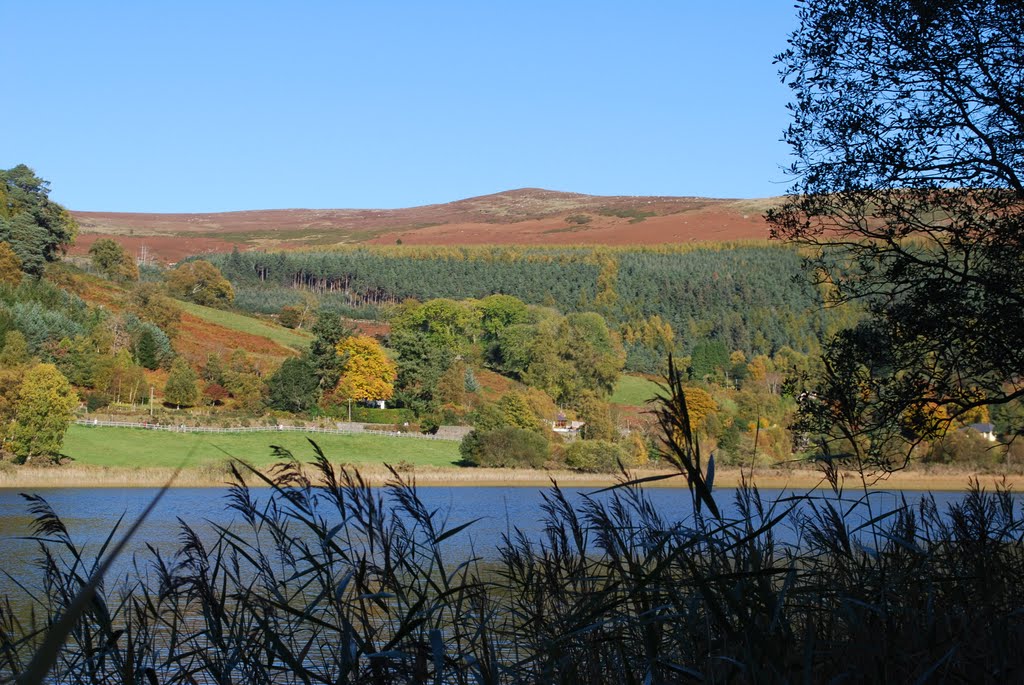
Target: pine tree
[[146, 352]]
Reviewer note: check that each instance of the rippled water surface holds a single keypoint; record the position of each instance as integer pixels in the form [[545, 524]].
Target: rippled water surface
[[90, 513]]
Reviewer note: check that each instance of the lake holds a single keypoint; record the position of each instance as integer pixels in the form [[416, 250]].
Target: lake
[[89, 514]]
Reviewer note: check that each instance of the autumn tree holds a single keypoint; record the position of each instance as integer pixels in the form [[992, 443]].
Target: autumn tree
[[907, 135], [368, 374], [15, 350], [201, 282], [121, 378], [14, 360], [10, 265], [111, 260], [701, 405], [451, 386], [242, 377], [567, 355], [595, 413], [149, 302], [43, 412], [181, 389]]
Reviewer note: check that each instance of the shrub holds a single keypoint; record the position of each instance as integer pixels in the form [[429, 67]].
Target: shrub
[[291, 316], [596, 456], [505, 447], [374, 415], [97, 400], [965, 447], [215, 394]]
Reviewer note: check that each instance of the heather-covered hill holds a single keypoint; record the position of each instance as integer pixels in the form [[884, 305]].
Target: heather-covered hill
[[527, 216]]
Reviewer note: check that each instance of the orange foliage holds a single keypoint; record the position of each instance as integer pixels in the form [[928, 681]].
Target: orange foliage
[[368, 373], [198, 338]]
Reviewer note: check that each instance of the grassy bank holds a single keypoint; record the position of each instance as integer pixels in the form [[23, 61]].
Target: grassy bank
[[129, 457], [215, 474]]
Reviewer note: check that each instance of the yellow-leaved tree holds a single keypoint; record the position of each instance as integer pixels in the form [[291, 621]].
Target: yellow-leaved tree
[[43, 410], [700, 405], [368, 374]]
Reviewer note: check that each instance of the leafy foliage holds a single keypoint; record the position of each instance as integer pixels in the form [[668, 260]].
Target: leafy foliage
[[295, 386], [907, 132], [10, 266], [328, 330], [367, 373], [507, 447], [43, 411], [149, 303], [596, 456], [200, 282], [181, 389], [37, 229], [110, 259]]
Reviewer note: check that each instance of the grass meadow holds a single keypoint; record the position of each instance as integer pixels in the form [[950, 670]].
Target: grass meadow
[[633, 391], [140, 448]]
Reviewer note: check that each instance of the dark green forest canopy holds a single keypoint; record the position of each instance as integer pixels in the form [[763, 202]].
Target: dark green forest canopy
[[752, 297]]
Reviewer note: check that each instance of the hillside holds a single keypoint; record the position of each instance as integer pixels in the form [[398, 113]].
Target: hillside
[[202, 330], [527, 216]]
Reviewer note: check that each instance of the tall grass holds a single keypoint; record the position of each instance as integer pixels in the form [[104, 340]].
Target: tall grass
[[326, 579]]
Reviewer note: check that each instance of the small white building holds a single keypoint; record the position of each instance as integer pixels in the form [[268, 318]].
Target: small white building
[[986, 430]]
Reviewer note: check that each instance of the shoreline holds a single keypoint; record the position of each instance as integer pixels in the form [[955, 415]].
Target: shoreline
[[78, 476]]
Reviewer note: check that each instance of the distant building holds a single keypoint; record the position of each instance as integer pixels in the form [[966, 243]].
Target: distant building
[[986, 430], [565, 426]]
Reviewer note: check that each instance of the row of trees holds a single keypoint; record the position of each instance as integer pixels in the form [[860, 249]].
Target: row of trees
[[561, 355], [749, 297]]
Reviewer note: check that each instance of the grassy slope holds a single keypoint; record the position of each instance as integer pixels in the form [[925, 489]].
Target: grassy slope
[[238, 322], [135, 447], [633, 391]]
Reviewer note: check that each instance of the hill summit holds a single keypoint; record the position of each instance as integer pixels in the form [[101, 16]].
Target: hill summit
[[527, 216]]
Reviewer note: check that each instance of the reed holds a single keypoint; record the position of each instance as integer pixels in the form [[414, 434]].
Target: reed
[[327, 579]]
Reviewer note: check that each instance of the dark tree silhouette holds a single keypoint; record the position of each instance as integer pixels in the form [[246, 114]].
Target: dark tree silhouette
[[908, 138]]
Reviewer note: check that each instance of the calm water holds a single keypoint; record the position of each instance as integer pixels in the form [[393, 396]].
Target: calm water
[[90, 513]]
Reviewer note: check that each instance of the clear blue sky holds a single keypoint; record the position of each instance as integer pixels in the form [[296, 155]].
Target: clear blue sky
[[216, 106]]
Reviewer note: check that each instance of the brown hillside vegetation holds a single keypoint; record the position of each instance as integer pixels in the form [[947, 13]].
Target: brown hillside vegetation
[[527, 216], [196, 339]]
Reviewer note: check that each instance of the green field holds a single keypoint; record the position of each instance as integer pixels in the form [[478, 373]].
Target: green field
[[633, 391], [137, 447], [245, 324]]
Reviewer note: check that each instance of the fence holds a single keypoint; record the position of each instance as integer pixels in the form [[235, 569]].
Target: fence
[[182, 428]]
